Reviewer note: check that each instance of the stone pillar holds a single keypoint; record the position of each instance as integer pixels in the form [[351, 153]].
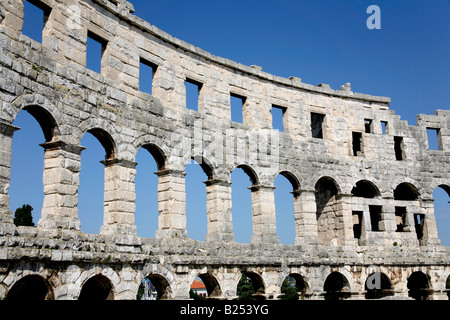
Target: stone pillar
[[388, 216], [61, 179], [6, 135], [430, 233], [218, 208], [119, 198], [263, 214], [305, 217], [171, 204], [347, 220]]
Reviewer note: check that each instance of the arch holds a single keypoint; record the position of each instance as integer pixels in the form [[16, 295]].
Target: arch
[[377, 286], [329, 183], [365, 189], [212, 285], [250, 172], [160, 285], [27, 166], [45, 120], [441, 205], [406, 191], [251, 286], [284, 206], [105, 140], [445, 187], [150, 159], [336, 286], [419, 286], [158, 148], [299, 284], [97, 288], [30, 288], [292, 179], [161, 277], [205, 165], [46, 113], [157, 154], [197, 197], [329, 211]]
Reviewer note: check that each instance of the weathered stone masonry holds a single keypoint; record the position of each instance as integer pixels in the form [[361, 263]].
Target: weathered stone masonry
[[362, 198]]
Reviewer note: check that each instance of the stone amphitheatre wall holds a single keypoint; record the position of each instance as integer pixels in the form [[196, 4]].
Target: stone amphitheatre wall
[[362, 194]]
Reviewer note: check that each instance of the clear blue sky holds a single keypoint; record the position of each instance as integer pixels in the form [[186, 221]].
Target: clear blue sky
[[318, 41]]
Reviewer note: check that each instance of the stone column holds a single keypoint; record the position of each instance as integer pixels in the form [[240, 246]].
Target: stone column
[[347, 220], [119, 198], [263, 214], [61, 179], [6, 135], [305, 217], [218, 208], [388, 216], [430, 232], [171, 204]]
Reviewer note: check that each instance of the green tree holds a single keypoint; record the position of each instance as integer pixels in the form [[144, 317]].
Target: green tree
[[194, 295], [245, 288], [290, 292], [23, 217]]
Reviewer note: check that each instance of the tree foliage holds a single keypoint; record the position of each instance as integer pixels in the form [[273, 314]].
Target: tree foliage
[[23, 217], [290, 292], [245, 288]]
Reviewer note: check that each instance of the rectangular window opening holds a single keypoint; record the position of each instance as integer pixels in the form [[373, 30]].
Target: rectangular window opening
[[434, 139], [384, 127], [357, 224], [146, 74], [375, 217], [192, 93], [419, 223], [35, 17], [357, 143], [317, 125], [400, 218], [368, 125], [96, 46], [237, 104], [398, 145], [278, 113]]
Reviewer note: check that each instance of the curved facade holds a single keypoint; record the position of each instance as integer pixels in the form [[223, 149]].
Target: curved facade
[[362, 179]]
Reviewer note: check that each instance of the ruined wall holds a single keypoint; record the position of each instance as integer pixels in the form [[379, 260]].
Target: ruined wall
[[50, 80]]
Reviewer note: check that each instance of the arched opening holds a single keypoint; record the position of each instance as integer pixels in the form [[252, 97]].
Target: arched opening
[[329, 214], [294, 287], [241, 209], [205, 286], [30, 288], [27, 162], [419, 286], [197, 171], [406, 191], [441, 196], [150, 159], [92, 179], [365, 189], [45, 120], [153, 287], [378, 286], [250, 287], [285, 185], [97, 288], [336, 287]]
